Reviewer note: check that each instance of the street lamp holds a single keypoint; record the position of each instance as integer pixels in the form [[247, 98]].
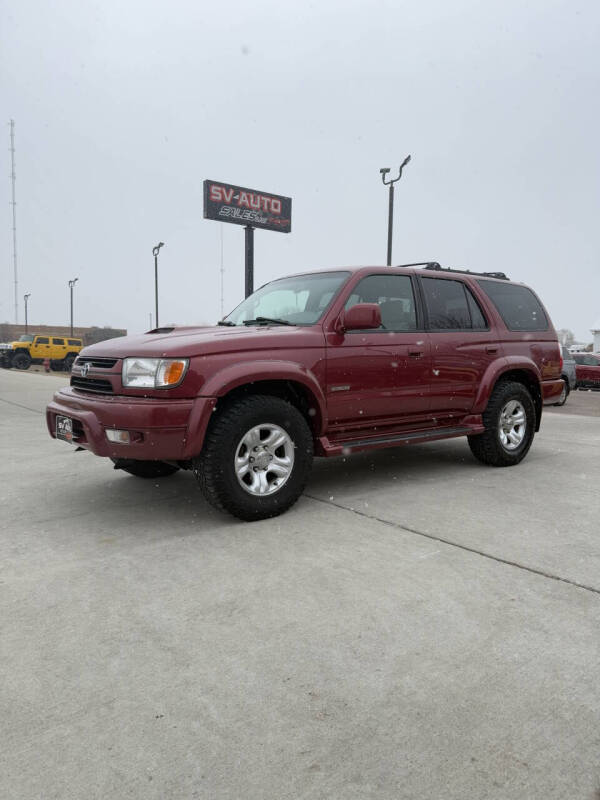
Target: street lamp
[[26, 298], [384, 171], [71, 285], [155, 254]]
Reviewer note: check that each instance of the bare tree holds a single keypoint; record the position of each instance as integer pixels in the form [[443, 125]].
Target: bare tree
[[565, 336]]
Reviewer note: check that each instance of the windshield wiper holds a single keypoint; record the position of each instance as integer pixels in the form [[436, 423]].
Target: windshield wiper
[[266, 320], [226, 322]]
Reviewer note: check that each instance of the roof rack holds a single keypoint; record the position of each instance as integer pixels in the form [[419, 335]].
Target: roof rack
[[426, 264], [433, 265]]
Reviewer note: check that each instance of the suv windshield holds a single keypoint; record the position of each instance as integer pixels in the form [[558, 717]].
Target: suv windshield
[[26, 337], [300, 300]]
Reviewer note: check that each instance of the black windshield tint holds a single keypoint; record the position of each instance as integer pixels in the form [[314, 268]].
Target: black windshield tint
[[446, 302], [517, 305]]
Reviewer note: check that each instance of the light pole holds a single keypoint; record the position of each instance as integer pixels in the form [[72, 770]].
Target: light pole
[[155, 254], [384, 171], [71, 285], [26, 298]]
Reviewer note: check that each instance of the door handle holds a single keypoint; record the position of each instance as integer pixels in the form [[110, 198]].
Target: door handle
[[491, 348], [415, 353]]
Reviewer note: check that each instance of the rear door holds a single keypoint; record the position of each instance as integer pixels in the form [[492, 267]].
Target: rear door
[[463, 343], [59, 349], [383, 374]]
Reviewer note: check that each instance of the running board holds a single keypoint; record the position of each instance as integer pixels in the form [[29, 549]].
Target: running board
[[338, 448]]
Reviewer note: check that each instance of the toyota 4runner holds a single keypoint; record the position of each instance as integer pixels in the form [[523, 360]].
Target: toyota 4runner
[[320, 364]]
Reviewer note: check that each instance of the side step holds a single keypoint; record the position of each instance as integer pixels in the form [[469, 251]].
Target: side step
[[338, 448]]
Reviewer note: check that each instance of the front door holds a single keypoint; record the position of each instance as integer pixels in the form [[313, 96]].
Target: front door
[[381, 375]]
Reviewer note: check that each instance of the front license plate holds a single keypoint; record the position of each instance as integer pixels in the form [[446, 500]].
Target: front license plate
[[64, 428]]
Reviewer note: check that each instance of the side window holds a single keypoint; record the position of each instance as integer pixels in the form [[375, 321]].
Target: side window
[[517, 305], [447, 306], [42, 340], [395, 297], [74, 342], [58, 341], [478, 321]]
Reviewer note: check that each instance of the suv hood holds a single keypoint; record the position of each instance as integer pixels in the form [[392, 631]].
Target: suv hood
[[186, 342]]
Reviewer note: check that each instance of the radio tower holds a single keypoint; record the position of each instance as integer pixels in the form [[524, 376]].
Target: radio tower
[[14, 216]]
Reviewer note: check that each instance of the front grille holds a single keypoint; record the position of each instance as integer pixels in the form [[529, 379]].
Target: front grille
[[96, 361], [91, 384]]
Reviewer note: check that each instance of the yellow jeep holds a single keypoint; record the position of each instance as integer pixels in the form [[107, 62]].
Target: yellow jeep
[[34, 349]]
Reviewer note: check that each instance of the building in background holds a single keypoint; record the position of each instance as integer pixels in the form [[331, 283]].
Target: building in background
[[10, 333], [596, 335]]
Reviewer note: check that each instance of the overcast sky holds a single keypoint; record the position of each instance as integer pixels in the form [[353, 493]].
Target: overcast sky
[[122, 109]]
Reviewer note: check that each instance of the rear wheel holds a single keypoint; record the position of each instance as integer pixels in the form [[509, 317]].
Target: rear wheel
[[256, 458], [509, 420], [145, 469], [21, 361], [563, 395], [68, 362]]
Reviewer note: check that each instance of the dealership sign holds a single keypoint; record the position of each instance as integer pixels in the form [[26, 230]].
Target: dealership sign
[[249, 207]]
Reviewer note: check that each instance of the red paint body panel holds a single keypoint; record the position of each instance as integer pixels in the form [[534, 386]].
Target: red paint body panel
[[362, 389], [165, 425], [588, 374]]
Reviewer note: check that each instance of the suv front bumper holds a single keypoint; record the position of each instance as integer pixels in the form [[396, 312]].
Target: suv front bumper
[[170, 430]]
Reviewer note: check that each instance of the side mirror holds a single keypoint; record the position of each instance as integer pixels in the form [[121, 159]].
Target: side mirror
[[362, 316]]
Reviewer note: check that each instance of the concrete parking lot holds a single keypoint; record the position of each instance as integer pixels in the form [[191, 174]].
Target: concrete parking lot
[[418, 626]]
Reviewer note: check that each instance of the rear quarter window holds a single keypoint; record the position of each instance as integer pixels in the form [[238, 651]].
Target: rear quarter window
[[517, 305], [74, 342]]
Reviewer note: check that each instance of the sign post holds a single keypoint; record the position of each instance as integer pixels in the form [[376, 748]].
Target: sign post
[[252, 209], [249, 259]]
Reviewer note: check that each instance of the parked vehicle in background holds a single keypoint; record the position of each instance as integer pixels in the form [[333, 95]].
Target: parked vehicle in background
[[33, 349], [326, 363], [568, 374], [588, 370]]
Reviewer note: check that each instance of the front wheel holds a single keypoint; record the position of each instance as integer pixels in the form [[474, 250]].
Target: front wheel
[[256, 458], [21, 361], [144, 469], [509, 421]]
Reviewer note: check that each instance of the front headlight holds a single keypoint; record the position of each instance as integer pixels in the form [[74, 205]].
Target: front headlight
[[153, 373]]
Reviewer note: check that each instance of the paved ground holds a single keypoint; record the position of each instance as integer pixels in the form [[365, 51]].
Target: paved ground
[[418, 626], [584, 402]]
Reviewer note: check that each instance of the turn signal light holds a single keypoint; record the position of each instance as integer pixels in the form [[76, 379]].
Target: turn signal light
[[173, 373]]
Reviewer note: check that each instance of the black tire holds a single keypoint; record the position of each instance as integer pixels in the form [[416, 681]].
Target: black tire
[[488, 447], [21, 361], [145, 469], [56, 366], [564, 394], [215, 470], [68, 362]]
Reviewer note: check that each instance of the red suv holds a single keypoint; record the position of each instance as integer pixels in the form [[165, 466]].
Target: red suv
[[587, 369], [323, 363]]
